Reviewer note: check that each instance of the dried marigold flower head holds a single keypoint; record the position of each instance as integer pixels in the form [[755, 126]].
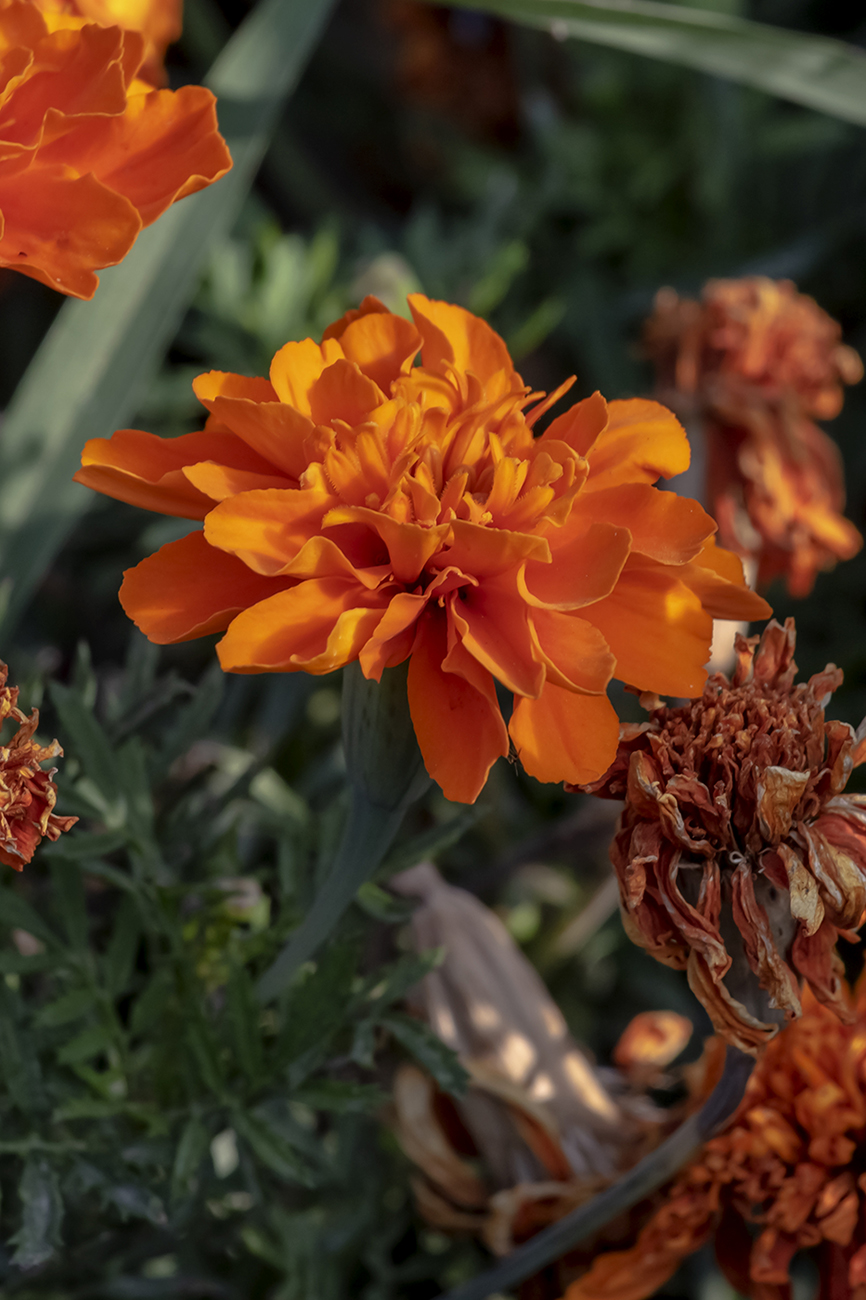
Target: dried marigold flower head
[[359, 507], [739, 856], [89, 154], [159, 21], [757, 363], [27, 793], [789, 1175], [539, 1129]]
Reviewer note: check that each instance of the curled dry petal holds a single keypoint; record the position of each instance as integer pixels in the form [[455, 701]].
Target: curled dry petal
[[358, 505], [27, 793], [739, 855]]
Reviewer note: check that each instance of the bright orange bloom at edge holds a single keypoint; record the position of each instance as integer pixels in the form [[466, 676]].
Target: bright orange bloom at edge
[[357, 506]]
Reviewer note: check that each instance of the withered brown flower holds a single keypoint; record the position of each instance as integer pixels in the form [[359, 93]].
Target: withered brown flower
[[739, 856], [753, 365], [541, 1128], [27, 793]]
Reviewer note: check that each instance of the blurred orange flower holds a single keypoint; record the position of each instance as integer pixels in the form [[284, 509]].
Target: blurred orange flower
[[159, 21], [27, 794], [89, 155], [359, 507], [758, 363], [792, 1166], [739, 856]]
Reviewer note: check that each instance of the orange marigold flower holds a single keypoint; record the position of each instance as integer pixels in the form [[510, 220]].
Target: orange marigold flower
[[89, 154], [159, 21], [357, 506], [27, 794], [758, 363], [739, 857], [789, 1175]]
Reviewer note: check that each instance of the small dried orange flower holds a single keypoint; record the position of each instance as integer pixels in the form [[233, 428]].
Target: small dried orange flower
[[789, 1175], [159, 21], [27, 793], [758, 363], [359, 507], [739, 856], [89, 154]]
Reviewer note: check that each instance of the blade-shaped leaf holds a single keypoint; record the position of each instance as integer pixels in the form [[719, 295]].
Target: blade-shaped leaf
[[91, 370], [816, 71]]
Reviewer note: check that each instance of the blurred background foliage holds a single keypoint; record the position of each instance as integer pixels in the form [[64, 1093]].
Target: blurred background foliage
[[161, 1135]]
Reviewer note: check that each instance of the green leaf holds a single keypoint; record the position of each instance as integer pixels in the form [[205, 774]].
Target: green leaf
[[317, 1005], [19, 915], [18, 1062], [429, 843], [120, 954], [72, 1006], [85, 738], [191, 1150], [68, 901], [84, 1046], [39, 1235], [244, 1014], [395, 982], [815, 71], [272, 1148], [94, 364], [342, 1097], [428, 1051]]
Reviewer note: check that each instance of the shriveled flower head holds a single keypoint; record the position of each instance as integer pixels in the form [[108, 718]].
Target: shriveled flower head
[[89, 154], [739, 856], [758, 363], [357, 506], [159, 21], [540, 1128], [788, 1176], [27, 793]]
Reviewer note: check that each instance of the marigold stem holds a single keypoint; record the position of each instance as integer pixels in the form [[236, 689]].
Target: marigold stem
[[651, 1172]]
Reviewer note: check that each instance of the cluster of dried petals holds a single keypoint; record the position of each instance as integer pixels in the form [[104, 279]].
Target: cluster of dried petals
[[539, 1129], [89, 153], [739, 856], [757, 363], [159, 21], [357, 506], [27, 793], [788, 1176]]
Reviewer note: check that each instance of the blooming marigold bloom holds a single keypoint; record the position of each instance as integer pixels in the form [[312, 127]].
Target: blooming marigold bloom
[[357, 506], [792, 1168], [89, 154], [159, 22], [739, 856], [27, 794], [758, 363]]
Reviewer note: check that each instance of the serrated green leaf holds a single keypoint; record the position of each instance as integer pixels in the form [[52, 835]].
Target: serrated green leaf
[[392, 984], [272, 1148], [428, 1051], [19, 915], [72, 1006], [244, 1013], [85, 844], [342, 1097], [816, 71], [120, 954], [420, 848], [84, 1046], [382, 906], [191, 1151], [67, 888], [92, 368], [317, 1006], [42, 1215], [192, 719], [135, 1202], [19, 1064], [84, 737]]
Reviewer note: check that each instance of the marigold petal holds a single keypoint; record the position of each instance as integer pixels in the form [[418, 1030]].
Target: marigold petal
[[392, 640], [586, 567], [452, 336], [297, 366], [716, 577], [410, 546], [455, 714], [215, 384], [657, 629], [574, 652], [643, 441], [491, 622], [342, 392], [144, 470], [222, 481], [188, 589], [663, 526], [580, 426], [317, 626], [381, 345], [487, 552], [563, 736], [266, 528]]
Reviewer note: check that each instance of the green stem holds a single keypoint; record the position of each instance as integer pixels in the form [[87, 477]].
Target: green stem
[[648, 1174], [367, 836]]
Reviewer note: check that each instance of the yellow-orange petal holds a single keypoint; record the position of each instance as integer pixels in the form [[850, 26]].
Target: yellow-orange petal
[[657, 629], [297, 366], [455, 714], [453, 336], [491, 623], [716, 577], [664, 526], [410, 546], [573, 651], [581, 425], [276, 431], [586, 566], [317, 626], [222, 481], [643, 441], [487, 552], [392, 640], [188, 589], [381, 345], [562, 736], [342, 392], [145, 470], [214, 384], [267, 528], [61, 229]]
